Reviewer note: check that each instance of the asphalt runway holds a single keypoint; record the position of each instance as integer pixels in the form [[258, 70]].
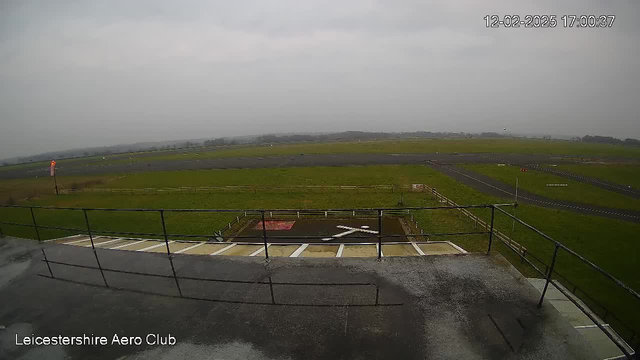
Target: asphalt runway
[[439, 161], [140, 165], [494, 187]]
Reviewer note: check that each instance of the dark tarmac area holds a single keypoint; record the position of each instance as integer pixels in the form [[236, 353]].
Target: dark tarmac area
[[495, 187], [429, 307], [303, 228], [139, 165]]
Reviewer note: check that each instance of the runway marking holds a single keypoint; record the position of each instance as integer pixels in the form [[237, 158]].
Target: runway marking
[[415, 246], [125, 245], [350, 230], [223, 249], [154, 246], [104, 242], [65, 238], [340, 250], [259, 250], [76, 241], [189, 248], [299, 250]]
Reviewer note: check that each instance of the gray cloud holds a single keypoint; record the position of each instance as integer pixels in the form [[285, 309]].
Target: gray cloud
[[75, 74]]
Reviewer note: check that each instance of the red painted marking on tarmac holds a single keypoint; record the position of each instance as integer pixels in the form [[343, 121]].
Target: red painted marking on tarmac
[[275, 225]]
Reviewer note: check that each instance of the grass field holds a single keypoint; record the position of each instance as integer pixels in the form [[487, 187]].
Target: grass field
[[535, 182], [618, 174], [611, 244], [502, 146]]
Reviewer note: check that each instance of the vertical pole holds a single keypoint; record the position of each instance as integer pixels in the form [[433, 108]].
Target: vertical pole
[[166, 242], [273, 300], [549, 272], [55, 182], [93, 247], [379, 234], [35, 225], [47, 261], [513, 225], [1, 233], [264, 237], [493, 215]]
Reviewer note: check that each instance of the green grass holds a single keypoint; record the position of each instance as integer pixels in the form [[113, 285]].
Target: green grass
[[504, 146], [618, 174], [325, 175], [535, 182], [20, 189], [610, 243]]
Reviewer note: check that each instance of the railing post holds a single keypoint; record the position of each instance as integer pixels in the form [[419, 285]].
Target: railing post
[[264, 237], [93, 247], [166, 242], [379, 234], [493, 215], [35, 225], [549, 272], [47, 261], [164, 232]]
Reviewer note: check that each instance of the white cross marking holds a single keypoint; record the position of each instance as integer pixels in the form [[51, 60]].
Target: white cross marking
[[350, 230]]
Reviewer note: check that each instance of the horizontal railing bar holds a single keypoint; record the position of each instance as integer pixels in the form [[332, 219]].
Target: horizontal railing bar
[[208, 279], [218, 300], [250, 210]]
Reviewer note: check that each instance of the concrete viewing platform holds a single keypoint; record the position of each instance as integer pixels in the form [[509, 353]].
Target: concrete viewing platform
[[226, 307]]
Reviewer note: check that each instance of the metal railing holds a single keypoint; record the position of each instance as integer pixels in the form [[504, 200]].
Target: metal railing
[[632, 340], [378, 213], [261, 213]]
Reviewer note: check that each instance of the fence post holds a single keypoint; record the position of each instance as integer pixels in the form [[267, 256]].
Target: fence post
[[550, 271], [35, 225], [93, 246], [166, 242], [264, 237], [379, 234], [493, 215]]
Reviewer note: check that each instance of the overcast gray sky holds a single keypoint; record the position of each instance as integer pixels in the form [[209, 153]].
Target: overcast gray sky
[[90, 73]]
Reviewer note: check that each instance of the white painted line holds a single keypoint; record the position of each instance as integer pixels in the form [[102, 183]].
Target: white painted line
[[189, 248], [259, 250], [65, 238], [223, 249], [299, 250], [620, 357], [77, 241], [415, 246], [103, 243], [155, 246], [356, 229], [457, 247], [125, 245], [589, 326], [340, 250]]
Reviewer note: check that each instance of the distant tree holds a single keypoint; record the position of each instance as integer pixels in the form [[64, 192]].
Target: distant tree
[[633, 142], [602, 139]]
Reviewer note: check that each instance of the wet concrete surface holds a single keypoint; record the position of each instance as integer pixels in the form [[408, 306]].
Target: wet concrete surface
[[440, 307], [495, 187]]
